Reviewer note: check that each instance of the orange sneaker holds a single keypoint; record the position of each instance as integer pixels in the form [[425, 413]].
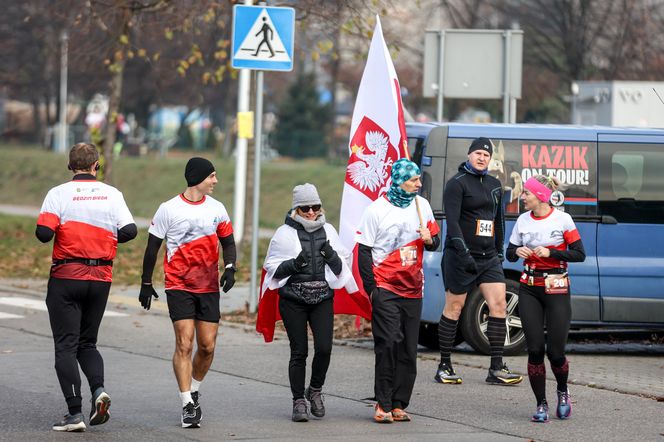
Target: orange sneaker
[[399, 415], [381, 416]]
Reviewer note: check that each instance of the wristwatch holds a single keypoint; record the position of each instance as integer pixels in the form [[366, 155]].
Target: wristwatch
[[231, 266]]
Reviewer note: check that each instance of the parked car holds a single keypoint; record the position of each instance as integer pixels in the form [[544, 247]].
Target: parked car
[[613, 186]]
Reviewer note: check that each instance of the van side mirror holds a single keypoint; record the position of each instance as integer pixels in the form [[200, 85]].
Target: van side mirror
[[608, 219]]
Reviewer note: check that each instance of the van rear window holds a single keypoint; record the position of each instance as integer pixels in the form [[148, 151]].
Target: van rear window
[[514, 161]]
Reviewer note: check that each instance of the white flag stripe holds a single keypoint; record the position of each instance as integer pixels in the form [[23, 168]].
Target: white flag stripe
[[4, 315], [36, 304]]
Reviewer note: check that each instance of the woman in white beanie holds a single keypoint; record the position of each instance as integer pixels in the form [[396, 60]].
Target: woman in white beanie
[[306, 262]]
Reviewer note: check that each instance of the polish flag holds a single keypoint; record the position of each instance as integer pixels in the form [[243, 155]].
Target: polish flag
[[377, 140]]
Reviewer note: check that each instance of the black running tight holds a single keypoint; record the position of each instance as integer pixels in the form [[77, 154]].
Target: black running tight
[[539, 310], [75, 309]]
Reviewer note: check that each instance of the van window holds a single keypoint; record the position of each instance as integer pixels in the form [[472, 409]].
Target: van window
[[631, 179], [514, 161]]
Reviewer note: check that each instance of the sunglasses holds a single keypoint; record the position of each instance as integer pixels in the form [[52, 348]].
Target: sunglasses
[[306, 209]]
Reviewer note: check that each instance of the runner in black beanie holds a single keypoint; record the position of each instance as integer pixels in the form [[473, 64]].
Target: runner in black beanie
[[197, 170]]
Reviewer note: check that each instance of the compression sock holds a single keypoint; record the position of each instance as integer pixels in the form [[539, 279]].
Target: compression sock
[[496, 331], [446, 334], [537, 377], [561, 373]]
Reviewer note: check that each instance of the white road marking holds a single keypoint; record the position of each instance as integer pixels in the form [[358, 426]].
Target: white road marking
[[36, 304], [4, 315]]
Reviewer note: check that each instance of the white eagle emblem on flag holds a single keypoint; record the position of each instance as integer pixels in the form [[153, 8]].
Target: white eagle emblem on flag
[[371, 172]]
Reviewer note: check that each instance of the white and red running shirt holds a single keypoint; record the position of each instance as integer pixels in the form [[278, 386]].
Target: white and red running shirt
[[85, 216], [555, 231], [397, 248], [192, 232]]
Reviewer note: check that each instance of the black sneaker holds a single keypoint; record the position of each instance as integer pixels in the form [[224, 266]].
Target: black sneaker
[[300, 410], [446, 375], [197, 406], [503, 376], [315, 398], [189, 416], [70, 423], [101, 402]]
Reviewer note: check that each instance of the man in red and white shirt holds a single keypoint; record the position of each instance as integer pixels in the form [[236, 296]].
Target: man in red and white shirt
[[193, 224], [88, 219], [392, 235]]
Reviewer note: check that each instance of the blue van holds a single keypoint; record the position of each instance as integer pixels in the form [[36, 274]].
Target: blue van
[[612, 185]]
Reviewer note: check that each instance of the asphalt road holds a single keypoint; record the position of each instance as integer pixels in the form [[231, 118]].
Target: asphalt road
[[246, 396]]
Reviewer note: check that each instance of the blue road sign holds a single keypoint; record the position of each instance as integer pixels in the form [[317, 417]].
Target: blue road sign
[[263, 38]]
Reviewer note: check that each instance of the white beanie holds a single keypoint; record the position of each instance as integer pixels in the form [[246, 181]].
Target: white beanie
[[305, 195]]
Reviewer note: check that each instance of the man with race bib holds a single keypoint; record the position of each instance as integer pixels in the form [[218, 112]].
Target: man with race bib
[[473, 256]]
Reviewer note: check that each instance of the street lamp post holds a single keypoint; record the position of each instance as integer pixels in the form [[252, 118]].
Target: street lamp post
[[61, 144]]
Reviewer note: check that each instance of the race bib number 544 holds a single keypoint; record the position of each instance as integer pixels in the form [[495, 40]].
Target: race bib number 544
[[484, 228]]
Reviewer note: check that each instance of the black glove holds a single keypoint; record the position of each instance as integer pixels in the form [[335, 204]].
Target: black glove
[[301, 261], [227, 280], [145, 297], [467, 263], [327, 251]]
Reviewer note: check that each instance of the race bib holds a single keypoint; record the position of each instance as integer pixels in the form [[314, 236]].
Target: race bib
[[556, 284], [408, 255], [484, 228]]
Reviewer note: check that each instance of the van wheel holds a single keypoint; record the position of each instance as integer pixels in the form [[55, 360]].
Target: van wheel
[[429, 336], [475, 317]]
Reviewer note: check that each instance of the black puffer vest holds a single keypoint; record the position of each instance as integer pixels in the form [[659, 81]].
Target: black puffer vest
[[311, 244]]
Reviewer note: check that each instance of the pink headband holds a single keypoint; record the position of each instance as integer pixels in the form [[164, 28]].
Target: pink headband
[[542, 192]]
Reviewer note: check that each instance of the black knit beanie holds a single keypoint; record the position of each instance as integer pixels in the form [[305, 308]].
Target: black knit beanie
[[481, 143], [197, 170]]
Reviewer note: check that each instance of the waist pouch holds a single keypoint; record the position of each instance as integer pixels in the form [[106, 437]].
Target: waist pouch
[[308, 292]]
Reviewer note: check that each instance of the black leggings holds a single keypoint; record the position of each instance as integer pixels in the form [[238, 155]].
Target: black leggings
[[321, 320], [75, 309], [538, 310]]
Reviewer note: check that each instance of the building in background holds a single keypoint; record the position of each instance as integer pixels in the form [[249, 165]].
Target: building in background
[[618, 103]]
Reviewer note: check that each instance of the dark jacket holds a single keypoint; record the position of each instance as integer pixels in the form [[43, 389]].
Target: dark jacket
[[311, 243], [469, 197]]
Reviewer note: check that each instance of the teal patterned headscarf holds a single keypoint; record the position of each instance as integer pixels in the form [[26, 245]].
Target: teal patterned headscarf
[[402, 171]]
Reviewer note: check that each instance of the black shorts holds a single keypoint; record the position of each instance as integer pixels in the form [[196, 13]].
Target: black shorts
[[188, 305], [458, 281]]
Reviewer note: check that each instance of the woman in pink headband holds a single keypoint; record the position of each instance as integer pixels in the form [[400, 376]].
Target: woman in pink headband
[[546, 239]]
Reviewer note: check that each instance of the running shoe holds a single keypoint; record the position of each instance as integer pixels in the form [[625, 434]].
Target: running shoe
[[70, 422], [315, 398], [189, 416], [564, 408], [101, 402], [399, 415], [197, 406], [381, 416], [300, 410], [542, 413], [503, 376], [446, 375]]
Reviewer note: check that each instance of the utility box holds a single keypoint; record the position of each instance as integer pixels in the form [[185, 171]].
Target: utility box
[[618, 103]]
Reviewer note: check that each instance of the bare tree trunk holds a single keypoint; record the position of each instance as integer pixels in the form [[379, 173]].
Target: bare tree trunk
[[113, 108]]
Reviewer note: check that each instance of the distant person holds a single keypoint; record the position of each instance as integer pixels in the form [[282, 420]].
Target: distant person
[[392, 235], [305, 259], [546, 239], [88, 219], [193, 225], [473, 256]]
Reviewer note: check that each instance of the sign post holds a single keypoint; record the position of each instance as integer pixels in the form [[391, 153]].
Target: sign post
[[474, 63], [263, 39]]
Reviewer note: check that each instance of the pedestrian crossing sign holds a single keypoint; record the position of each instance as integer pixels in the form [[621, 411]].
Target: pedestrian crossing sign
[[263, 38]]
